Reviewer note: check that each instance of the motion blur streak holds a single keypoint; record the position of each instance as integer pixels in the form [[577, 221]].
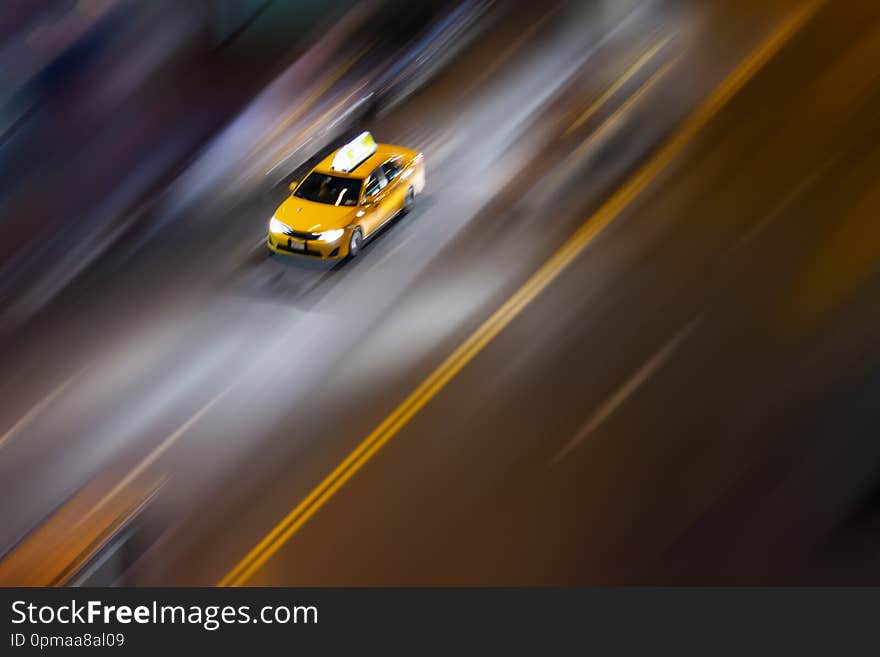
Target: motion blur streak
[[618, 84], [591, 229], [156, 453], [44, 403], [628, 388], [626, 334]]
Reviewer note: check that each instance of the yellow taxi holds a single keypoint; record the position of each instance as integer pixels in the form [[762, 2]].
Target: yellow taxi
[[346, 199]]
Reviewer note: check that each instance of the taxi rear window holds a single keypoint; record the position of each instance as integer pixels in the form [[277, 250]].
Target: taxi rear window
[[332, 190]]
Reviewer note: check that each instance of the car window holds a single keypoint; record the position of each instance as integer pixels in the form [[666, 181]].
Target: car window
[[333, 190], [375, 183], [372, 185], [391, 169]]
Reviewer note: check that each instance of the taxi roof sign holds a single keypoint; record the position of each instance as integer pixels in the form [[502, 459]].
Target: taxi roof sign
[[354, 152]]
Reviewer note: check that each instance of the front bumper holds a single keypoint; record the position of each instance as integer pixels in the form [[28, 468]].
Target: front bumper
[[286, 245]]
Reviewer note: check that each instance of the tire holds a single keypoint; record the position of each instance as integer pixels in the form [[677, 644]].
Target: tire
[[355, 242], [408, 201]]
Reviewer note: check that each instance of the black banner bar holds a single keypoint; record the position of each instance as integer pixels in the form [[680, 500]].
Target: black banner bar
[[413, 621]]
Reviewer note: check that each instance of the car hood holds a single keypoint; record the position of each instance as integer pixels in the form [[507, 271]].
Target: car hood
[[309, 217]]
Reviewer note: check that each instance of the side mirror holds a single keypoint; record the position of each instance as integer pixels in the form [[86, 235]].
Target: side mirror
[[292, 186], [368, 201]]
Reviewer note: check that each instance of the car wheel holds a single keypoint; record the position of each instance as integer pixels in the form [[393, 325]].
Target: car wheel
[[409, 200], [355, 242]]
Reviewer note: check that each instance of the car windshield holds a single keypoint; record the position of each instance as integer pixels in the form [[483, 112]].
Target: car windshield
[[333, 190]]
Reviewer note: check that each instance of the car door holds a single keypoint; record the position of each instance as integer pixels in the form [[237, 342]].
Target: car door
[[375, 206]]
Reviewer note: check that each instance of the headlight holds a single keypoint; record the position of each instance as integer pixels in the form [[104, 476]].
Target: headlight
[[276, 226], [331, 235]]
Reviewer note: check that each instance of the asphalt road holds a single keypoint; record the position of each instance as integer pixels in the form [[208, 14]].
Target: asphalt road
[[628, 335]]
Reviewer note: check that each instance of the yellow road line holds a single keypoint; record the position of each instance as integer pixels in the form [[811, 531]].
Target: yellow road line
[[622, 80], [603, 217]]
